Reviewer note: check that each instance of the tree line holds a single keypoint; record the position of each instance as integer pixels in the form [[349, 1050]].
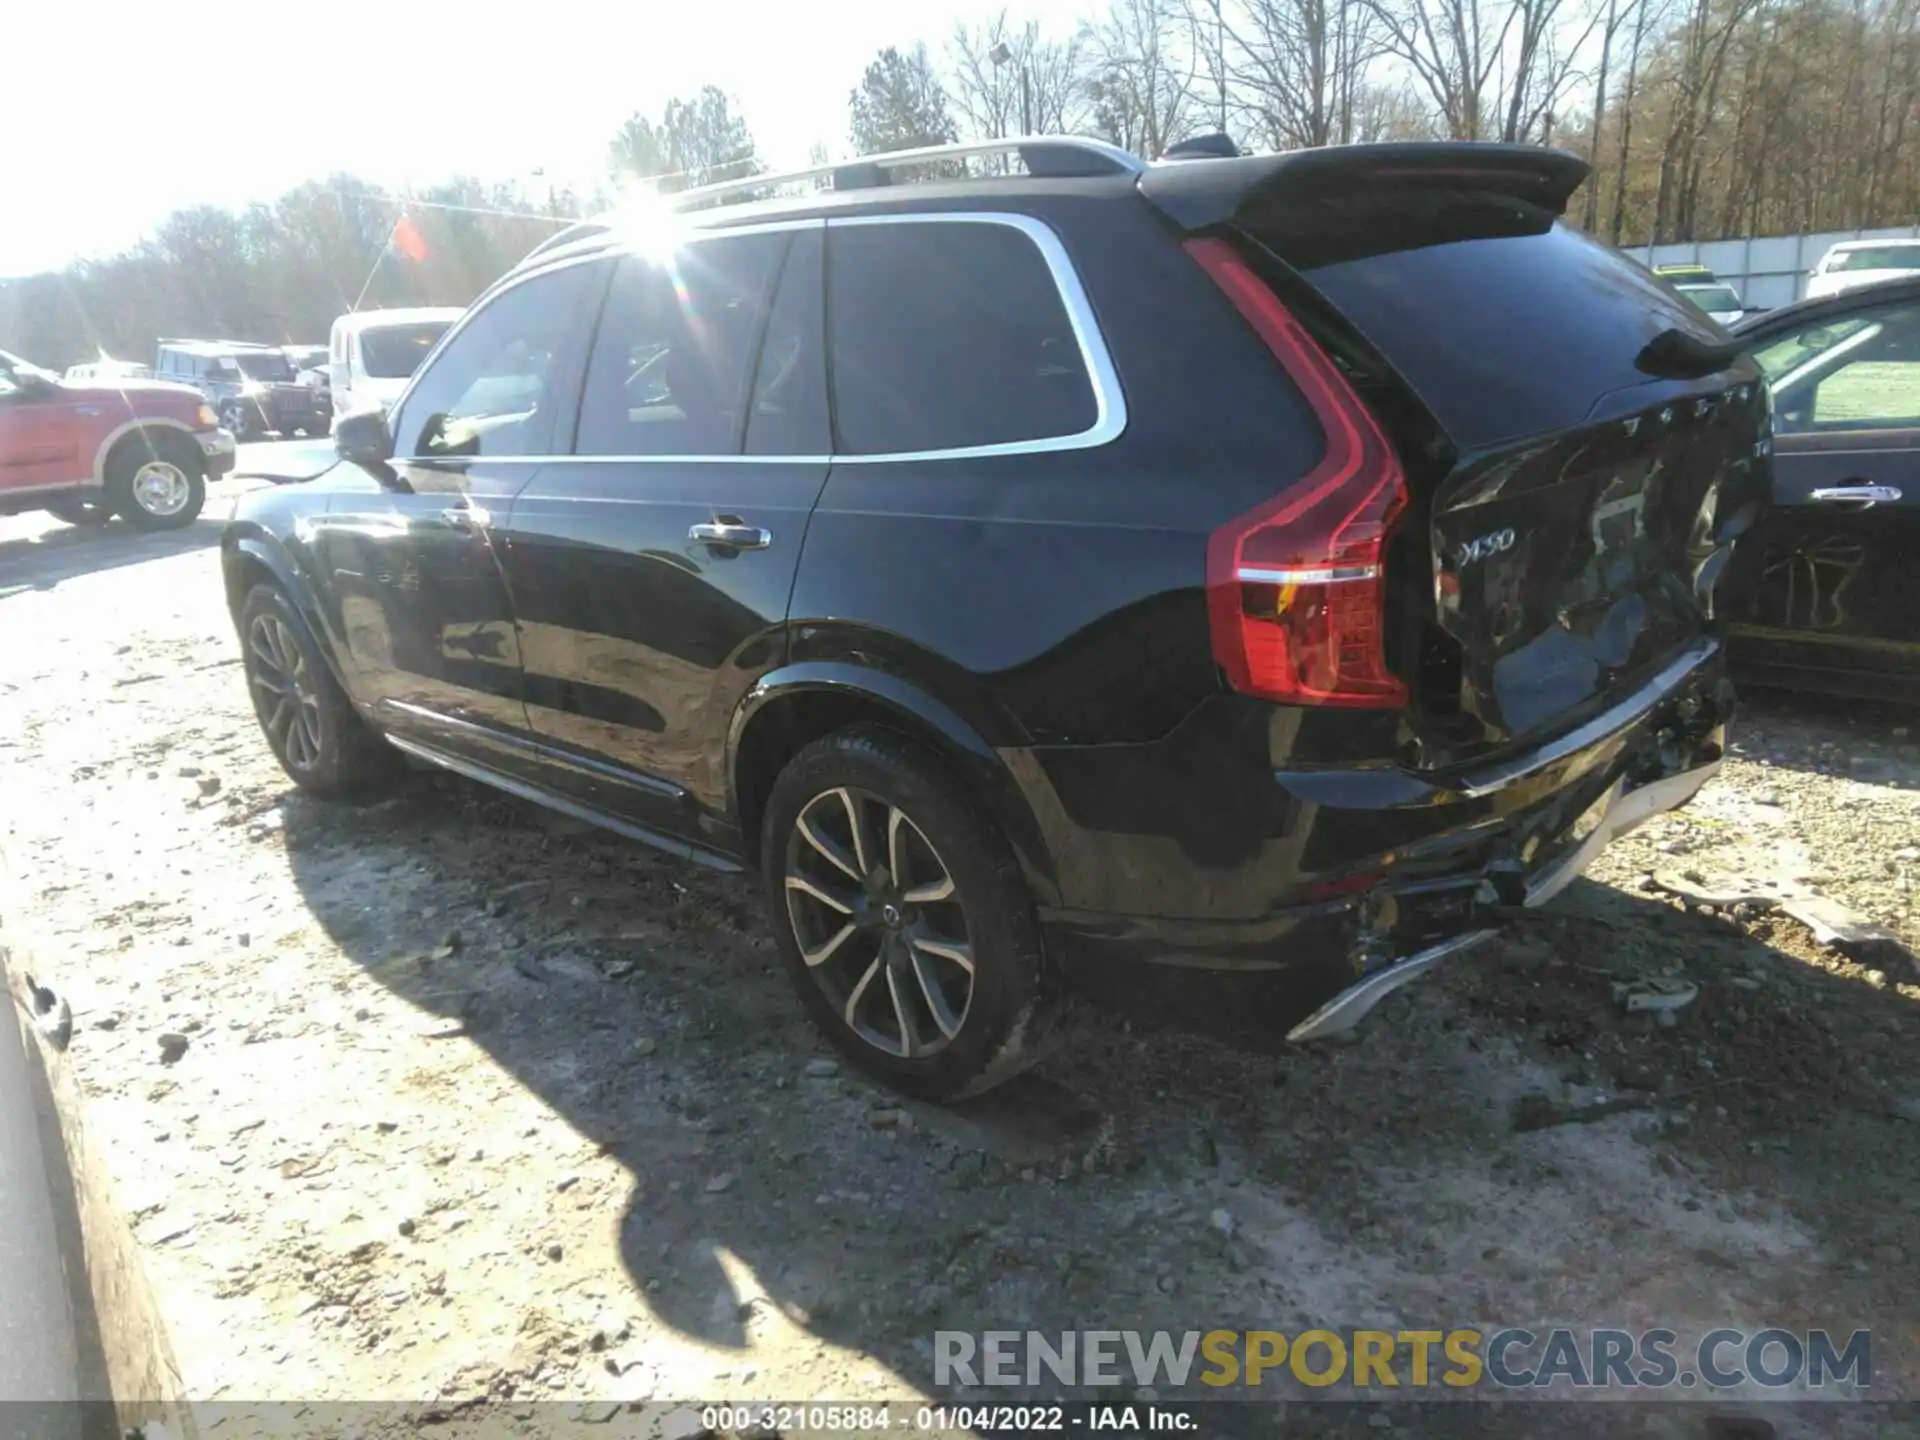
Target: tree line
[[1702, 119]]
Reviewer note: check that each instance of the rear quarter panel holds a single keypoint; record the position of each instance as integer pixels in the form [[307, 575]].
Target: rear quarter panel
[[1056, 601]]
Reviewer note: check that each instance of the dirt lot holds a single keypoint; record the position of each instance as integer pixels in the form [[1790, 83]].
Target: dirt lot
[[474, 1102]]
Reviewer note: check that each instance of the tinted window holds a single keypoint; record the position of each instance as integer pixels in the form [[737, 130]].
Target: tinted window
[[789, 410], [499, 385], [676, 344], [1858, 372], [1505, 322], [393, 352], [948, 335]]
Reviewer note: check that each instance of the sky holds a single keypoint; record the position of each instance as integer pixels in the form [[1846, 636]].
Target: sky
[[122, 110]]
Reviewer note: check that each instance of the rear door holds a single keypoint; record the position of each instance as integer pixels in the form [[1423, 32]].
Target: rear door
[[651, 569], [1830, 595], [1574, 500]]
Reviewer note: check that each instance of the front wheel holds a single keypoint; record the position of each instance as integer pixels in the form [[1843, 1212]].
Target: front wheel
[[320, 740], [157, 485], [238, 418], [903, 917]]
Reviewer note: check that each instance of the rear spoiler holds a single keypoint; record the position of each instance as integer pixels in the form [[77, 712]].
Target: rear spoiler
[[1197, 194]]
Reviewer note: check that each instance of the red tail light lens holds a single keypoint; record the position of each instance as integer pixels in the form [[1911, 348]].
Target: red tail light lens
[[1296, 588]]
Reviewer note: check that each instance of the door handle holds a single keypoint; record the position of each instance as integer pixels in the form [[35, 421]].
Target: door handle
[[466, 517], [730, 533], [1865, 496]]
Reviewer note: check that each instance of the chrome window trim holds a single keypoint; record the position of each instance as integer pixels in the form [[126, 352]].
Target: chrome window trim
[[1110, 403]]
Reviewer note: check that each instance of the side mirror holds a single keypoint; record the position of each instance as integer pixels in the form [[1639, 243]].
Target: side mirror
[[363, 437]]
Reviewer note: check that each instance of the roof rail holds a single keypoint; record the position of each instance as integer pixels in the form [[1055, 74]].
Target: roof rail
[[1054, 155]]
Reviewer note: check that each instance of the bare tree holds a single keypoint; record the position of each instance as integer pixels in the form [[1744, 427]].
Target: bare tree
[[1141, 72], [1299, 67]]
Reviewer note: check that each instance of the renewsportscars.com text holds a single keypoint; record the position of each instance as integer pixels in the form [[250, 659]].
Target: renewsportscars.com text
[[1375, 1360]]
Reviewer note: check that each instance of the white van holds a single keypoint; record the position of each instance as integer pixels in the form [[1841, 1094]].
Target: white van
[[372, 354]]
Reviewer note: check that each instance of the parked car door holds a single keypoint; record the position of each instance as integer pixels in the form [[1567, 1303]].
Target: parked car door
[[651, 570], [415, 571], [1828, 594], [38, 435]]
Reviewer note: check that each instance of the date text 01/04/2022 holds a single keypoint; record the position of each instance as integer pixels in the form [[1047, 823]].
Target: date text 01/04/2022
[[943, 1419]]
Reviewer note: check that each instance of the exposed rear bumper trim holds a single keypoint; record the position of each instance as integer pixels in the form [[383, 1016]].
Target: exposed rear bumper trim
[[1487, 779], [1627, 810], [1351, 1005]]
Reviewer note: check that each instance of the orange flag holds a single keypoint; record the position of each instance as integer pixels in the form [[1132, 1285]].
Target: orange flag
[[408, 240]]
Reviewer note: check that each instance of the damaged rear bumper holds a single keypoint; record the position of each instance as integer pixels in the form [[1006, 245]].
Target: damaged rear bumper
[[1405, 869], [1618, 812]]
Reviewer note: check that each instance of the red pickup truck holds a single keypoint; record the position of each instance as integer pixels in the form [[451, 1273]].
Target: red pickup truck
[[140, 449]]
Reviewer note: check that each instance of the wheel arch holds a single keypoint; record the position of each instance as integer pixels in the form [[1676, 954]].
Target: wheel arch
[[792, 707], [257, 558], [152, 428]]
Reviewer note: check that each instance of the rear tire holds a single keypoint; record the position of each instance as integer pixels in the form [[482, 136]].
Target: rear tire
[[912, 940], [87, 514], [320, 740], [157, 482]]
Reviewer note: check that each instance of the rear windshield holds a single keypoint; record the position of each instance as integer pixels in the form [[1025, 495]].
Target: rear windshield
[[393, 352], [1877, 257], [1714, 299], [1504, 321]]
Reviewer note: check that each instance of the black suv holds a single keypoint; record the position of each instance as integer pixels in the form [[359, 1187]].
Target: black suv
[[1284, 565]]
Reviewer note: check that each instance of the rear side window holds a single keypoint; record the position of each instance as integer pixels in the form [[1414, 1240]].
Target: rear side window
[[1859, 372], [946, 335], [1505, 322], [676, 347]]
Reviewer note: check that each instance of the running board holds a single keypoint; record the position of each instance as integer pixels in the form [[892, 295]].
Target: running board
[[1626, 810], [473, 770]]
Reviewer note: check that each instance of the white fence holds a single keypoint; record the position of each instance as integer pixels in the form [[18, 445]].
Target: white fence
[[1768, 270]]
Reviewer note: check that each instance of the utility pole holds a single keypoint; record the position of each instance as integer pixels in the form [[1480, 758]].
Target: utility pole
[[1002, 54], [1220, 58]]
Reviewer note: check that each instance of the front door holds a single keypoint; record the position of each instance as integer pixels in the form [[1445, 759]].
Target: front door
[[412, 554], [38, 437], [651, 570], [1831, 592]]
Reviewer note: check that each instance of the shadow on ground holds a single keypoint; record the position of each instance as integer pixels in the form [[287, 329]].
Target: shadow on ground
[[43, 561], [1830, 735], [643, 1001]]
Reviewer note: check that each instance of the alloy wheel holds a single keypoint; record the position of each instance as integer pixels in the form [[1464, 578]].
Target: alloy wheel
[[161, 488], [285, 695], [879, 922]]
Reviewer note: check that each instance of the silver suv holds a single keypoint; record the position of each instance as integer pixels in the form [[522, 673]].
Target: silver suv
[[252, 388]]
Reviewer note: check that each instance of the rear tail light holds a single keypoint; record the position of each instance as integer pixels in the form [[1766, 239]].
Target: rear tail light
[[1296, 588]]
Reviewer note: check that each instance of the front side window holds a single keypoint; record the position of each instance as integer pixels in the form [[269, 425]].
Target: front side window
[[946, 335], [677, 341], [1861, 372], [501, 384]]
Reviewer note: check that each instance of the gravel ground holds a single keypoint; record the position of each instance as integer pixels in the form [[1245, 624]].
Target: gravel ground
[[446, 1098]]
